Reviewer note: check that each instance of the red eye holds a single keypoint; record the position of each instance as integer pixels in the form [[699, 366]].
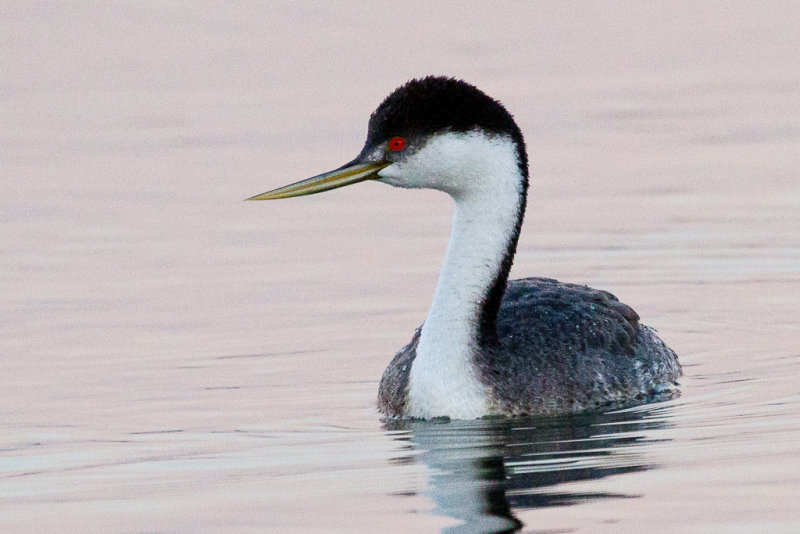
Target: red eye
[[397, 143]]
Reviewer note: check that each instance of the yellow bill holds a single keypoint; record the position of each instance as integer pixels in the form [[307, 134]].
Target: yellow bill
[[351, 173]]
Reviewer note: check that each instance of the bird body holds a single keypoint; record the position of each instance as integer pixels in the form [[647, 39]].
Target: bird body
[[563, 348], [489, 347]]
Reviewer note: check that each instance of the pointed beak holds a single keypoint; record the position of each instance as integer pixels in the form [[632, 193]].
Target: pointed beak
[[350, 173]]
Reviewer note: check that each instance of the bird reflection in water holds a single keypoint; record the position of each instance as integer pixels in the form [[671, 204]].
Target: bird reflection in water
[[482, 471]]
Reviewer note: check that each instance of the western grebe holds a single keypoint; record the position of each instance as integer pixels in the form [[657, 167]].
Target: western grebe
[[488, 346]]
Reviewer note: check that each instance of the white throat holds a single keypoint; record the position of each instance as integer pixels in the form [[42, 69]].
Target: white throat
[[483, 177]]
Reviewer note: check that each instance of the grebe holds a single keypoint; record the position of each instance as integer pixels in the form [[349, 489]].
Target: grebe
[[534, 346]]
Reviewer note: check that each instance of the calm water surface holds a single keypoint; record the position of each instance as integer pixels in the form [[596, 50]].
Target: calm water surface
[[175, 360]]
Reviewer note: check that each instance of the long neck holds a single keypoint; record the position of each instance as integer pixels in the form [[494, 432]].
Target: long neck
[[476, 266], [461, 326]]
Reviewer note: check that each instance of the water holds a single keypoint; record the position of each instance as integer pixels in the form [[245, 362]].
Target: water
[[176, 360]]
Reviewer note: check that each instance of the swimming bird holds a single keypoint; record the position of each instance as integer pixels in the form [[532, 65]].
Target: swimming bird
[[488, 346]]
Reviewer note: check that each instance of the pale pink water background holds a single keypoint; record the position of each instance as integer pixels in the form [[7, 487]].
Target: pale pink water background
[[175, 360]]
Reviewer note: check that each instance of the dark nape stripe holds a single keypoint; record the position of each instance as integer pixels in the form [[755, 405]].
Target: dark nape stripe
[[487, 333]]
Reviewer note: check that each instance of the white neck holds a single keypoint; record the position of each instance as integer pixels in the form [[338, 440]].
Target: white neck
[[443, 380]]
